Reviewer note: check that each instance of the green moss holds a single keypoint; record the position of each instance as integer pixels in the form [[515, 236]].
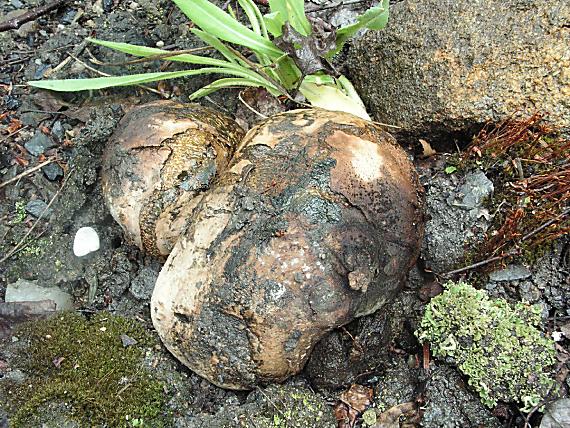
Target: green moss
[[19, 213], [497, 345], [83, 365]]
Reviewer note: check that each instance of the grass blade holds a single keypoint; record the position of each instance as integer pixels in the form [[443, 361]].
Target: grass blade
[[294, 12], [74, 85], [218, 45], [249, 9], [216, 22], [220, 84], [144, 51], [374, 18]]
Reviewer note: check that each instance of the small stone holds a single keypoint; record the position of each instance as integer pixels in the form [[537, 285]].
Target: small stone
[[17, 4], [11, 103], [26, 29], [68, 16], [52, 171], [473, 192], [510, 273], [133, 5], [38, 144], [86, 241], [108, 5], [98, 7], [40, 71], [38, 61], [38, 208], [90, 23], [127, 341], [160, 44], [248, 203], [16, 376], [57, 131]]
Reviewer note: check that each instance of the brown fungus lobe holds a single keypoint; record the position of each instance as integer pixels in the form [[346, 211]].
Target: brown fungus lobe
[[316, 221], [161, 157]]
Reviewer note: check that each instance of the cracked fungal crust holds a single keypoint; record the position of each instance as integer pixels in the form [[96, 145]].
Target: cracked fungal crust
[[315, 222], [160, 159]]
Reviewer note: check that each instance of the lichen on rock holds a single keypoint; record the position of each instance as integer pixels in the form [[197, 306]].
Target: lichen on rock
[[497, 345]]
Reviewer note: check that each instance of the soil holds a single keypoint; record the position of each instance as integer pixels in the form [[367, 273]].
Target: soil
[[74, 128]]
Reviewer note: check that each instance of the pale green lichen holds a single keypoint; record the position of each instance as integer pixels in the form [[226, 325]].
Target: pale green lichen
[[498, 346]]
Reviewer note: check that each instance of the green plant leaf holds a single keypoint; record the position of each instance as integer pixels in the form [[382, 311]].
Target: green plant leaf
[[374, 18], [235, 67], [274, 22], [227, 82], [216, 22], [218, 45], [144, 51], [73, 85], [249, 8], [294, 12], [331, 98], [450, 169]]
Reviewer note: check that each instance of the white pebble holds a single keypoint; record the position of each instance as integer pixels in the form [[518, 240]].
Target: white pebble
[[160, 44], [86, 241]]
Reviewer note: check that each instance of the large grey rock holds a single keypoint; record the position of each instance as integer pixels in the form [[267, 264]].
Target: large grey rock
[[442, 66], [30, 291]]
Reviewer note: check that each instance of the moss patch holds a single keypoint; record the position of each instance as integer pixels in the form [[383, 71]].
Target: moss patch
[[497, 345], [528, 164], [83, 365]]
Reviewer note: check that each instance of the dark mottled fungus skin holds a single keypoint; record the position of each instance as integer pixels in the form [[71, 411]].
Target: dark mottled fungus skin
[[315, 222], [161, 157]]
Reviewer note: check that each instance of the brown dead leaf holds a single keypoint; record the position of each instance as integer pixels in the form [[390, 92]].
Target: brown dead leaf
[[21, 161], [358, 397], [391, 417], [427, 149], [45, 130], [341, 415], [14, 125]]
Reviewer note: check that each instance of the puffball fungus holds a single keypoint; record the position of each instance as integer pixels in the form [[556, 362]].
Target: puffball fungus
[[315, 222], [161, 157]]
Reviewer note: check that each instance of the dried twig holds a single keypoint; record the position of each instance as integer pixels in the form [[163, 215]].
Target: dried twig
[[510, 253], [16, 22], [250, 108], [27, 172], [479, 264]]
